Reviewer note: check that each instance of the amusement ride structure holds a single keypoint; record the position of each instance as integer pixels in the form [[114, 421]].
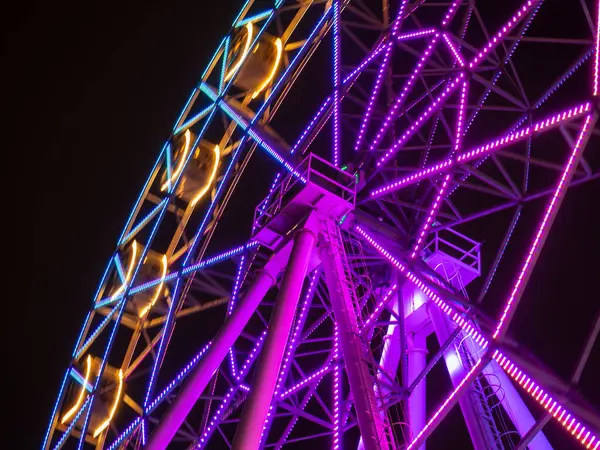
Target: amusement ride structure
[[333, 242]]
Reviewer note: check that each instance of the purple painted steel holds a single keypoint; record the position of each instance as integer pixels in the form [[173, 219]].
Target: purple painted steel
[[249, 431], [417, 360], [199, 378], [457, 370]]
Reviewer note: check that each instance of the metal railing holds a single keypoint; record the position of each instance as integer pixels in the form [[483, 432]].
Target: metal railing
[[312, 170]]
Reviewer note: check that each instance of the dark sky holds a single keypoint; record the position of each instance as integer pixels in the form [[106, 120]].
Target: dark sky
[[94, 88]]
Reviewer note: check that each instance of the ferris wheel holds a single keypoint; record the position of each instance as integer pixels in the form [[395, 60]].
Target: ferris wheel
[[333, 242]]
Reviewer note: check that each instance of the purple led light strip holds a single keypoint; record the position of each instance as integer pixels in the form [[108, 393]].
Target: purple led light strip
[[415, 34], [231, 393], [379, 307], [413, 78], [379, 79], [483, 150], [374, 94], [177, 380], [497, 39], [597, 55], [491, 45], [480, 340], [231, 305], [439, 414], [295, 388], [457, 316], [291, 349], [450, 13], [552, 406], [125, 434], [433, 108], [403, 94], [542, 232], [457, 56], [460, 122]]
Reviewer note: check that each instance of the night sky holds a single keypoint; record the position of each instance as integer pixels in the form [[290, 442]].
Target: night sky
[[94, 90]]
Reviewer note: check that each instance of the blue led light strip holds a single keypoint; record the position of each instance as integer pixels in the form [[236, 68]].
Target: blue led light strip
[[210, 428], [254, 18], [144, 221], [55, 409], [185, 271], [69, 429], [177, 380], [193, 121], [125, 434]]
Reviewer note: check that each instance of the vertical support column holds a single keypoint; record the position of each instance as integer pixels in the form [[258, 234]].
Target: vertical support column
[[368, 414], [512, 402], [224, 340], [417, 360], [256, 408], [457, 373]]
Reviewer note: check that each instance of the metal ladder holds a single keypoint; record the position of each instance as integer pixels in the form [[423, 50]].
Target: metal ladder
[[370, 367]]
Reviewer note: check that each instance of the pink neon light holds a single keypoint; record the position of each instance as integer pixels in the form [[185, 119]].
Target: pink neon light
[[460, 123], [457, 56], [415, 34], [405, 90], [434, 107], [374, 94], [597, 56], [542, 229], [511, 369], [486, 149], [467, 379], [521, 12]]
